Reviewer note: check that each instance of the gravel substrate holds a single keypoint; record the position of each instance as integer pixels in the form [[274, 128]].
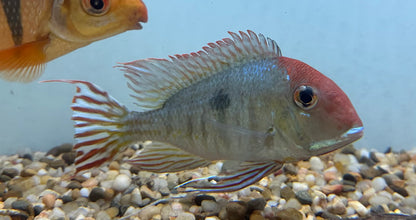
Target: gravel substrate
[[347, 184]]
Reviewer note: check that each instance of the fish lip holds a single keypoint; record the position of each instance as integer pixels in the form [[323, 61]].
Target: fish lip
[[138, 26], [346, 138]]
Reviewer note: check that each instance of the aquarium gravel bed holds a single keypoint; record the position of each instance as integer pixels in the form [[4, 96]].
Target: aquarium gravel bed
[[347, 184]]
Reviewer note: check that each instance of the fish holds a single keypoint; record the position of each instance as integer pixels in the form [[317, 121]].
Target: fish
[[237, 100], [34, 32]]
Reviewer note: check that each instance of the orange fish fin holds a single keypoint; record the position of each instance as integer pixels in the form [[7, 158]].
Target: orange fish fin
[[23, 63], [99, 127], [245, 174], [161, 157]]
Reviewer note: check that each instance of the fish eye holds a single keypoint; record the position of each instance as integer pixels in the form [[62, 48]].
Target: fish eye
[[305, 97], [96, 7]]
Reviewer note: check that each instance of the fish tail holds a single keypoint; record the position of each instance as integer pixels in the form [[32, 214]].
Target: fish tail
[[99, 125]]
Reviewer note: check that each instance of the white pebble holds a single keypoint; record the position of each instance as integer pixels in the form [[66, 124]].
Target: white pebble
[[131, 211], [57, 213], [85, 192], [107, 184], [297, 186], [293, 203], [398, 197], [378, 200], [356, 195], [126, 172], [136, 197], [316, 163], [186, 216], [121, 182], [310, 178], [358, 207], [86, 175], [378, 183], [42, 172], [272, 203], [363, 153]]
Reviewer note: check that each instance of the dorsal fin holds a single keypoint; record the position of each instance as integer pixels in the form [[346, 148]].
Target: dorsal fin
[[153, 81]]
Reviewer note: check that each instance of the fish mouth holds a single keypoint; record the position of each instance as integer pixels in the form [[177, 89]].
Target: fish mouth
[[326, 146], [138, 26]]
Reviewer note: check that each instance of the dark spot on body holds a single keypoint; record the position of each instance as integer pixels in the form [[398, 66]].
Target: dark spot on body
[[220, 101]]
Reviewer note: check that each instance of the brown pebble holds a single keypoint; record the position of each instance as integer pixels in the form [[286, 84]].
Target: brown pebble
[[112, 212], [108, 194], [69, 157], [57, 163], [75, 194], [49, 200], [90, 183], [335, 189], [236, 210], [114, 165], [287, 193], [74, 185], [330, 175], [289, 214], [256, 215], [28, 172]]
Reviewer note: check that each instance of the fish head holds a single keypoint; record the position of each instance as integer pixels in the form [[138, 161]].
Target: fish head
[[91, 20], [324, 116]]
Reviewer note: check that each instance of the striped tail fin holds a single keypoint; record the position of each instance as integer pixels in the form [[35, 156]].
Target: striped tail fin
[[99, 125]]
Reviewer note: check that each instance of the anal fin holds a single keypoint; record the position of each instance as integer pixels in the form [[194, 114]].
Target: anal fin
[[162, 157], [25, 62], [248, 173]]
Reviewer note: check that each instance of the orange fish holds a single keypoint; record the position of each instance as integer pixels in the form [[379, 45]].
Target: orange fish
[[33, 32]]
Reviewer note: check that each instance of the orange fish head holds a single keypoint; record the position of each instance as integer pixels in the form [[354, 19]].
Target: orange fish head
[[91, 20], [326, 119]]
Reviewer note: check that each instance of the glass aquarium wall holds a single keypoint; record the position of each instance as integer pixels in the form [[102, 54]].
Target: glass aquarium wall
[[366, 47]]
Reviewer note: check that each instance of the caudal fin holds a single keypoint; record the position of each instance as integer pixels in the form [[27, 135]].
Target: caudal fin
[[99, 125]]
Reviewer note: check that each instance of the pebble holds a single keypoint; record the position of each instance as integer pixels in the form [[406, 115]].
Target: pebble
[[358, 207], [186, 216], [236, 210], [199, 198], [378, 183], [293, 203], [136, 197], [148, 212], [63, 148], [69, 157], [84, 192], [298, 186], [316, 163], [22, 205], [256, 204], [210, 206], [121, 182], [49, 200], [96, 194], [304, 197], [336, 206], [10, 172], [289, 214]]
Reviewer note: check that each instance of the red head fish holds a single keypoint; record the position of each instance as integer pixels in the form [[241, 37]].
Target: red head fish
[[238, 100]]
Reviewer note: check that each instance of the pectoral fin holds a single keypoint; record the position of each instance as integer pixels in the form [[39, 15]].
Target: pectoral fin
[[248, 173], [161, 157], [23, 63]]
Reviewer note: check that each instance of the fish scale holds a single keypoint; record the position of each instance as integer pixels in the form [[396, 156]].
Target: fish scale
[[238, 101]]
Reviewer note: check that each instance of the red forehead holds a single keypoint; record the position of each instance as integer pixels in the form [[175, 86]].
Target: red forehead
[[332, 99]]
